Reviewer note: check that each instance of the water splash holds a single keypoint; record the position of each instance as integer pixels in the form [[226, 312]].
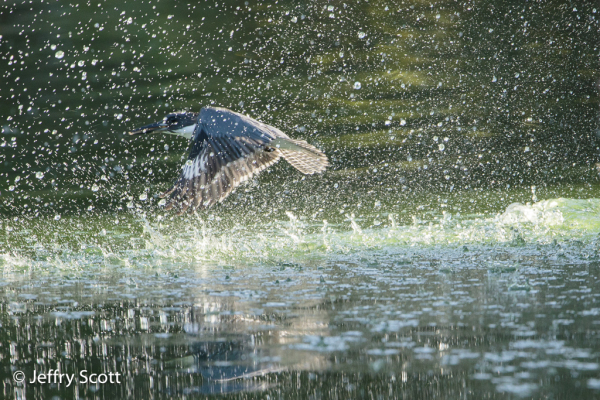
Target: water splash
[[295, 231], [354, 225]]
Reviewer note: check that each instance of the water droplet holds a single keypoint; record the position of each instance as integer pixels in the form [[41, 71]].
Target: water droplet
[[11, 188], [441, 147], [361, 35], [402, 122], [59, 54], [188, 163], [357, 85], [39, 174], [294, 19], [162, 202], [494, 79], [80, 63], [17, 178], [329, 8], [53, 47], [143, 196], [57, 217], [95, 188]]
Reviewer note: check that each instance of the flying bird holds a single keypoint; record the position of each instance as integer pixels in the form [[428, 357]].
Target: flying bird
[[227, 149]]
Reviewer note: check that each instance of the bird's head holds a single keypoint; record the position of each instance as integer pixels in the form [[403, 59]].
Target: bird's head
[[182, 124]]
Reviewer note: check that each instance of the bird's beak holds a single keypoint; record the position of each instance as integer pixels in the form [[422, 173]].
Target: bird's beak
[[159, 126]]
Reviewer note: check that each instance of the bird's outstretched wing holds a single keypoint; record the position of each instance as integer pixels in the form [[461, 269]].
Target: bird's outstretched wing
[[229, 148]]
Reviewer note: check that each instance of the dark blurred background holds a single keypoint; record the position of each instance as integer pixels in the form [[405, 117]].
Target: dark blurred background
[[409, 100]]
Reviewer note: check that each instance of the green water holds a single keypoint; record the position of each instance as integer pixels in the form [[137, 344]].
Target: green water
[[450, 251]]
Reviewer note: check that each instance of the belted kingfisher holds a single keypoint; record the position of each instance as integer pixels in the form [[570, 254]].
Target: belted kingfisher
[[227, 148]]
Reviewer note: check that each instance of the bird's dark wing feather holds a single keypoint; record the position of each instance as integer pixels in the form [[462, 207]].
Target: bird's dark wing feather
[[221, 122], [215, 167], [229, 148]]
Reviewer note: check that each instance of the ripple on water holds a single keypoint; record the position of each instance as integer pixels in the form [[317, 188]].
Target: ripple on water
[[432, 296]]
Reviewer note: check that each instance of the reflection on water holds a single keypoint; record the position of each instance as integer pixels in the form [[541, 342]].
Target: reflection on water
[[503, 304]]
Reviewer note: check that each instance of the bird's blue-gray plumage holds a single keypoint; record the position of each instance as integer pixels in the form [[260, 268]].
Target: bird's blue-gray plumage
[[227, 149]]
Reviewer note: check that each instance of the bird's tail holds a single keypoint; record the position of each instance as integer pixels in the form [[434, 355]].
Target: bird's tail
[[304, 157]]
